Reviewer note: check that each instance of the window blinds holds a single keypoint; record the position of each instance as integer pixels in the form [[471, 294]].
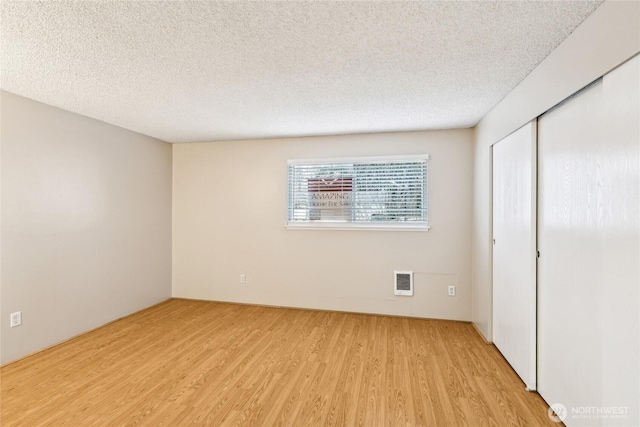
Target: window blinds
[[374, 191]]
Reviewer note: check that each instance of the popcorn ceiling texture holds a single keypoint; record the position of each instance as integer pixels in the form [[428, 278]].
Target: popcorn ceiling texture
[[202, 71]]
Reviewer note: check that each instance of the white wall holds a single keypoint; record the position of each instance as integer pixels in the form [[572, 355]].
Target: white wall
[[229, 215], [86, 223], [604, 40]]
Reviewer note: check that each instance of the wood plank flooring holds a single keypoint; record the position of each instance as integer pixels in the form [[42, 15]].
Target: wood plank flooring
[[205, 363]]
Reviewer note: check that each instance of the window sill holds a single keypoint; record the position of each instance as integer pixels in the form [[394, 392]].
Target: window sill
[[352, 226]]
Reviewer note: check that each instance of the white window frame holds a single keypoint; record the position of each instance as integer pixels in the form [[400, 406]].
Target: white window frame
[[350, 225]]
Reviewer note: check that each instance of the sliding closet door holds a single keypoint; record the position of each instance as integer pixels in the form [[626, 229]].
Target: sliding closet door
[[589, 242], [514, 263]]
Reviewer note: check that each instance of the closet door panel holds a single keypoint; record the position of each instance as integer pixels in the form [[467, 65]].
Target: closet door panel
[[514, 268], [589, 239], [569, 344]]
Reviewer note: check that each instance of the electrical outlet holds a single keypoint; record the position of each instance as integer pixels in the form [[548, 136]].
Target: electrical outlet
[[452, 291], [243, 278], [16, 319]]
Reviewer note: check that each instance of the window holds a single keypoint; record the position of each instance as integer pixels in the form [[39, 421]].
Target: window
[[369, 192]]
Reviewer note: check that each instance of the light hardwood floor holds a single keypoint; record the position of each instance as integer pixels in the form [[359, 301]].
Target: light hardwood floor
[[195, 362]]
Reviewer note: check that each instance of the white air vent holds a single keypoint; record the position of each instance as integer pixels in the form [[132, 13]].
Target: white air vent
[[403, 283]]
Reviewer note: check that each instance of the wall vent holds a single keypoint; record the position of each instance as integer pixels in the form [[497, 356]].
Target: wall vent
[[403, 283]]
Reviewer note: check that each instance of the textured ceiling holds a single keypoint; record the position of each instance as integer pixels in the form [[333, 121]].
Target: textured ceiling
[[203, 71]]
